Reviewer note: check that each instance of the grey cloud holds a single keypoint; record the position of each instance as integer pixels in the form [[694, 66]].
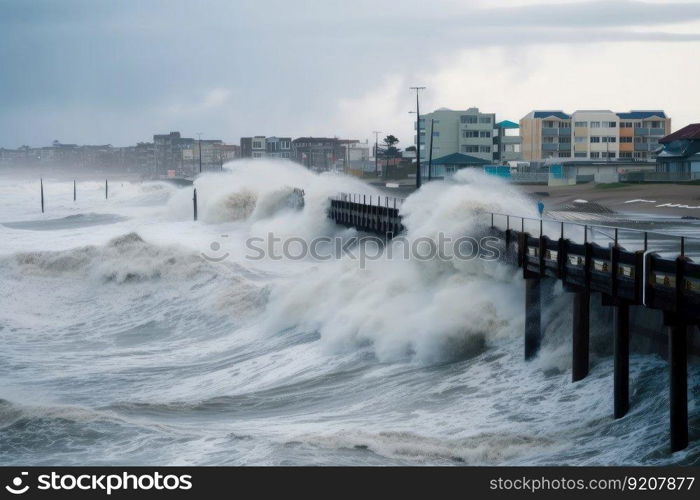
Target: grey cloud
[[67, 64]]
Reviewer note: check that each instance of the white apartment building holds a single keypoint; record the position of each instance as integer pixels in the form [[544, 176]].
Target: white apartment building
[[468, 132], [596, 134]]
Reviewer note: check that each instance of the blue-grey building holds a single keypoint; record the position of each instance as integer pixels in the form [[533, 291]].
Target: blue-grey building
[[680, 152]]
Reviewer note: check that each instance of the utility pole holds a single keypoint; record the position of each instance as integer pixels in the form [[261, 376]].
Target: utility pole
[[199, 142], [430, 154], [376, 152], [418, 173]]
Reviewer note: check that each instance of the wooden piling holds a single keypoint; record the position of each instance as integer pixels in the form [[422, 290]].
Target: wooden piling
[[74, 190], [41, 181], [194, 203], [621, 319], [533, 317], [106, 189], [580, 335], [678, 361]]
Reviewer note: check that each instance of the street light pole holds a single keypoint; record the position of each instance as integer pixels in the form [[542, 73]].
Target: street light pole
[[199, 142], [430, 154], [376, 151], [418, 172]]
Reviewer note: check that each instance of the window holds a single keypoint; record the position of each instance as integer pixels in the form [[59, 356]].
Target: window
[[257, 154], [626, 154], [608, 155], [468, 119], [609, 139], [564, 124], [595, 139], [656, 125], [595, 154], [484, 133], [580, 124], [564, 154], [548, 139], [257, 145], [470, 149], [610, 124], [548, 124], [625, 124], [595, 124], [284, 144], [564, 140], [484, 149], [484, 119], [626, 139], [580, 155], [580, 140], [436, 133], [470, 133]]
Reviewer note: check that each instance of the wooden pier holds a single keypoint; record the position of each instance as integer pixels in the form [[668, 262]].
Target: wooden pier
[[623, 278]]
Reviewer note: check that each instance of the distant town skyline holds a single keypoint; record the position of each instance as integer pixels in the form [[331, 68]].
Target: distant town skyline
[[115, 72]]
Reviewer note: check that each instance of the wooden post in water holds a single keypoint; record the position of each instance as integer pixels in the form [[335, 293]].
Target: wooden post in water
[[194, 203], [74, 190], [41, 181], [106, 189], [678, 361], [580, 335], [621, 319], [533, 314]]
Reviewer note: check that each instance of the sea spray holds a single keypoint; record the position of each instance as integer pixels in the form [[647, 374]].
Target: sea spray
[[187, 360]]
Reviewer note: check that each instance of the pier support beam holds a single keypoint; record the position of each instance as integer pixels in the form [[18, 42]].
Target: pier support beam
[[678, 361], [621, 319], [533, 317], [580, 335]]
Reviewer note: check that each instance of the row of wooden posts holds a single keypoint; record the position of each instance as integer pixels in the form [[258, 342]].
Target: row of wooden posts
[[75, 192]]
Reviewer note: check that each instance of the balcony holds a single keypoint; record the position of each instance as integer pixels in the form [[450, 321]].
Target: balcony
[[550, 131], [564, 131], [645, 146], [550, 146], [564, 146], [644, 131], [510, 139]]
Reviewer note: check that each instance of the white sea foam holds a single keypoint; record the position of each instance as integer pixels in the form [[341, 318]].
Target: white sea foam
[[186, 360]]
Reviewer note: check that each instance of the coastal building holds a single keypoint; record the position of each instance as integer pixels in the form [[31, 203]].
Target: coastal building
[[449, 164], [278, 147], [506, 141], [173, 153], [211, 154], [261, 146], [318, 153], [680, 152], [467, 132], [592, 134]]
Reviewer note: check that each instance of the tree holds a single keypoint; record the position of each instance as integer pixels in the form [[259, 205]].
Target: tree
[[390, 149]]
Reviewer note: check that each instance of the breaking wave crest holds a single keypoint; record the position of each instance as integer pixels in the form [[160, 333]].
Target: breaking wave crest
[[127, 258]]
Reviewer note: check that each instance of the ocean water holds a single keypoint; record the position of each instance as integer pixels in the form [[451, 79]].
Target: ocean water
[[133, 335]]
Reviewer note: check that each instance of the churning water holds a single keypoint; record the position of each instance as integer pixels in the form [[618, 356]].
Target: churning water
[[123, 344]]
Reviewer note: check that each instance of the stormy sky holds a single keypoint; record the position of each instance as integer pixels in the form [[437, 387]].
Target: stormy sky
[[116, 72]]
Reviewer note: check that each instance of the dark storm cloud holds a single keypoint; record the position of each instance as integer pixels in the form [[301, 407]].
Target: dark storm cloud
[[87, 71]]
